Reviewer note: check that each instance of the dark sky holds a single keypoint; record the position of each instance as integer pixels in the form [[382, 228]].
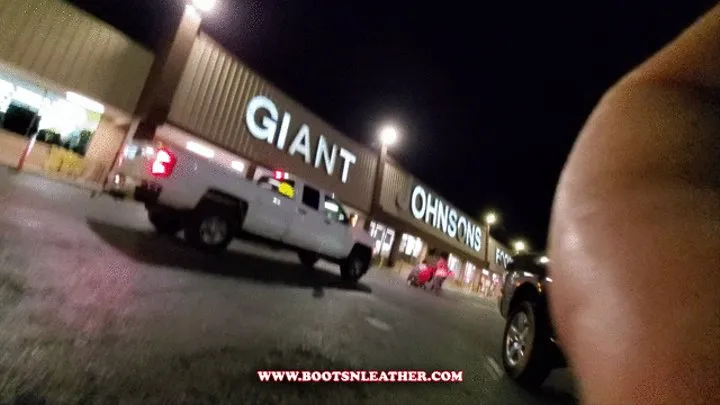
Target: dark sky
[[489, 97]]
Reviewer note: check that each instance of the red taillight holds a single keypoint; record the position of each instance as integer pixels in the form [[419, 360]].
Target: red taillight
[[163, 164], [281, 175]]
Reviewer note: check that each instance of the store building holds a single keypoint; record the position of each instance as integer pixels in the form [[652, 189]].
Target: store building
[[70, 78], [84, 81]]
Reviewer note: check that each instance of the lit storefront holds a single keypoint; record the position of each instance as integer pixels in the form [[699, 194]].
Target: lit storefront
[[69, 84], [411, 247], [470, 270], [62, 124], [384, 237]]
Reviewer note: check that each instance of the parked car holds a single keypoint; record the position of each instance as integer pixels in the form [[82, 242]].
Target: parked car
[[212, 202], [530, 349]]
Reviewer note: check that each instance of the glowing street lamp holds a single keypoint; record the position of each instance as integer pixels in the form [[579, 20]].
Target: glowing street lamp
[[388, 136], [520, 246], [544, 260], [204, 5], [491, 218]]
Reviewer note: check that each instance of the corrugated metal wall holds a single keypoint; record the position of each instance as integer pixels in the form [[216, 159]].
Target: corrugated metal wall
[[62, 44], [395, 201], [210, 102]]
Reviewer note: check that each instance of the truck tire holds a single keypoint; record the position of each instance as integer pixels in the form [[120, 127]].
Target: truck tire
[[211, 227], [308, 259], [526, 352], [166, 222], [355, 265]]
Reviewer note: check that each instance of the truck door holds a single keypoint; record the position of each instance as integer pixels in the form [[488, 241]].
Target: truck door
[[337, 239], [271, 213], [308, 225]]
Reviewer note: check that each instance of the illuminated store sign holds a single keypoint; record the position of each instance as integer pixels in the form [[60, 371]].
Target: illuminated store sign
[[264, 127], [433, 211], [502, 257]]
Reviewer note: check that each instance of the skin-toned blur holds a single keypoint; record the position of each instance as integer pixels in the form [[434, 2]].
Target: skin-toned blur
[[635, 233]]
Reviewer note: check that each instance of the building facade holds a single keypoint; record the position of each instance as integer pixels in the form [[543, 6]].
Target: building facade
[[73, 84]]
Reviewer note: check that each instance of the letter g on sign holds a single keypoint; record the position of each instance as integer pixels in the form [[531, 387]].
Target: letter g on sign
[[266, 130]]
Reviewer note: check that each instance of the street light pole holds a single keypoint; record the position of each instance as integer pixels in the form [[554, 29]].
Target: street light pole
[[153, 106], [487, 244], [377, 185], [388, 136], [489, 219]]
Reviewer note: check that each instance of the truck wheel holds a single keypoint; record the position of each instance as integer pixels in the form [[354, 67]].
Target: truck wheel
[[308, 259], [526, 346], [354, 266], [211, 229], [165, 222]]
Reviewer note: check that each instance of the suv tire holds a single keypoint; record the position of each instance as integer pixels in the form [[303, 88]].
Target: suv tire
[[212, 227], [526, 351], [354, 266]]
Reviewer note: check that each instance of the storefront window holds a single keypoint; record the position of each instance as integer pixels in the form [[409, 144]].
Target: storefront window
[[419, 245], [6, 93], [383, 236], [65, 120], [496, 285], [455, 265], [410, 247], [404, 242], [469, 273]]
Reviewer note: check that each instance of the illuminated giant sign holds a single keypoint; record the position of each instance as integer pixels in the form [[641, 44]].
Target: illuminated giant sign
[[433, 211], [265, 128]]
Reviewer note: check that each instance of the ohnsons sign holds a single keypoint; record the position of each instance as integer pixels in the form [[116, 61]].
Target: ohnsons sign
[[434, 211]]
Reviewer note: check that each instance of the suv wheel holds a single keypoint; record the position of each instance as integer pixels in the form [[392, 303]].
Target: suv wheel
[[211, 229], [354, 266], [526, 346]]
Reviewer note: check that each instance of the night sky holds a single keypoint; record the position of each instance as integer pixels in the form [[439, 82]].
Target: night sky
[[488, 96]]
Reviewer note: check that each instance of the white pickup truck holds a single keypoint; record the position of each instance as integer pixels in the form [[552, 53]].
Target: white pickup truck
[[213, 202]]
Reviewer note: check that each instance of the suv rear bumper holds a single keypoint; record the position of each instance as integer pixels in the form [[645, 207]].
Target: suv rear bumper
[[144, 191]]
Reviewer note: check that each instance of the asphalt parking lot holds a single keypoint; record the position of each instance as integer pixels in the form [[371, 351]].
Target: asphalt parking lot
[[95, 308]]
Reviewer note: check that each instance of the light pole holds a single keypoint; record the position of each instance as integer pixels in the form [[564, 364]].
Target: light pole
[[153, 106], [490, 219], [388, 136]]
